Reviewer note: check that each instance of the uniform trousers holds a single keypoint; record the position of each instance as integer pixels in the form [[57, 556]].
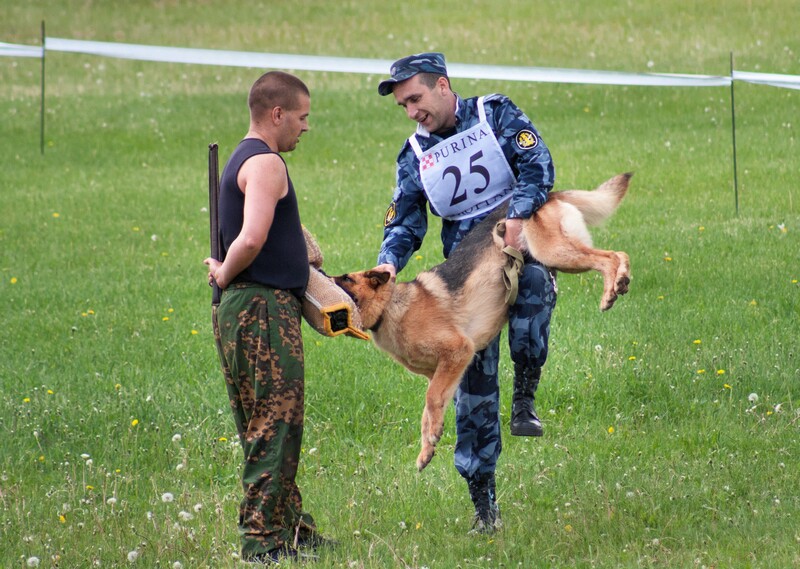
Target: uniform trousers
[[477, 400]]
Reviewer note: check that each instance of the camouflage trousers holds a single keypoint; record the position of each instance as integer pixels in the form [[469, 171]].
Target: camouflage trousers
[[477, 400], [257, 330]]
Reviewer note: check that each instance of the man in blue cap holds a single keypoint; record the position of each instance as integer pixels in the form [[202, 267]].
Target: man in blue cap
[[467, 158]]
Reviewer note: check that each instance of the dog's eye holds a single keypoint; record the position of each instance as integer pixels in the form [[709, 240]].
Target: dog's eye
[[346, 279]]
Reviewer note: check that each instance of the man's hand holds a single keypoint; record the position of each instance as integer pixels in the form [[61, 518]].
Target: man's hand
[[214, 273], [513, 235], [389, 268]]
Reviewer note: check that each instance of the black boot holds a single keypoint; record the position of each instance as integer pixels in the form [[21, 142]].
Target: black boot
[[487, 512], [524, 421]]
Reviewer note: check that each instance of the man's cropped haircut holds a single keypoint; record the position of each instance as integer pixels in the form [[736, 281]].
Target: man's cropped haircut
[[430, 79], [275, 89]]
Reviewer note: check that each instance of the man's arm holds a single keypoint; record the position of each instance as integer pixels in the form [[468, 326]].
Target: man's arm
[[530, 160], [263, 180], [406, 220]]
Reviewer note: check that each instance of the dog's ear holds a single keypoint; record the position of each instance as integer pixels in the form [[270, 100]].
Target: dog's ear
[[378, 278]]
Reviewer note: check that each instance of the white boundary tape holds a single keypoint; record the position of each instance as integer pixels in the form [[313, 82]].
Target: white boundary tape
[[381, 66], [372, 66], [773, 79], [15, 50]]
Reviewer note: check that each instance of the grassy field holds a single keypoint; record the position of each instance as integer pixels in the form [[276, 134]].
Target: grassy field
[[671, 422]]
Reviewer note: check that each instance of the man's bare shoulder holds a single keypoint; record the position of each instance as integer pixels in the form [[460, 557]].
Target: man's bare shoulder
[[266, 172]]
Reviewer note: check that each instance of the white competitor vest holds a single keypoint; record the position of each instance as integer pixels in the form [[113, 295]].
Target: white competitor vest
[[467, 174]]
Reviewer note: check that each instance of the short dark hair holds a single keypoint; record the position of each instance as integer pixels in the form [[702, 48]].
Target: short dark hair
[[275, 89], [430, 79]]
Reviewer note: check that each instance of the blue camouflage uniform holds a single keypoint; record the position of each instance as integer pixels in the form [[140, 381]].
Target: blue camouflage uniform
[[477, 400]]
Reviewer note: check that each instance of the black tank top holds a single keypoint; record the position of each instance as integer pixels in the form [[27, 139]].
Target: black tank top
[[282, 262]]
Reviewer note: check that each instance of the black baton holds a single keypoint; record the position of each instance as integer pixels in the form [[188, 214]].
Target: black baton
[[213, 209]]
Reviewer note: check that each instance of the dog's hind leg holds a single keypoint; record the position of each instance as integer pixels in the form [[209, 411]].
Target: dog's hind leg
[[572, 254], [456, 353], [623, 273], [616, 274], [575, 257]]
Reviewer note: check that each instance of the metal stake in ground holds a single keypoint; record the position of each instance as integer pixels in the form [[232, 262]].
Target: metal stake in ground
[[213, 210]]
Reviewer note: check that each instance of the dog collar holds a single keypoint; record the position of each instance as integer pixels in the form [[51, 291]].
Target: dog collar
[[378, 322]]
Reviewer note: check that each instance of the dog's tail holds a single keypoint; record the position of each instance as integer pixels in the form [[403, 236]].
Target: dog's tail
[[598, 205]]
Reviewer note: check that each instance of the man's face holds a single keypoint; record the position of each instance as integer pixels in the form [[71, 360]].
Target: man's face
[[433, 108], [295, 123]]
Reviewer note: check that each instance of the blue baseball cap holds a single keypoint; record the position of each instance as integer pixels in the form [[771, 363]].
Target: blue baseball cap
[[407, 67]]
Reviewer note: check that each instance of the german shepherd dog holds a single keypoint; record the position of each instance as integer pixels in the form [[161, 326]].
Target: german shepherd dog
[[434, 324]]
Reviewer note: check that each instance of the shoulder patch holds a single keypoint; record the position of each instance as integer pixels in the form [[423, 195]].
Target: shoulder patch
[[526, 139], [391, 214]]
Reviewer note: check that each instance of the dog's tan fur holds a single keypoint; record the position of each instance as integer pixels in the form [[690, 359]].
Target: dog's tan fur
[[434, 324]]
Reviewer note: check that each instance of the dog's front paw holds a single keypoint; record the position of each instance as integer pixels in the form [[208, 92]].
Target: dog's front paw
[[424, 458]]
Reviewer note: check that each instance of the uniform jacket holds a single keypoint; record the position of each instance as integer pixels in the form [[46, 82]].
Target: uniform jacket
[[406, 220]]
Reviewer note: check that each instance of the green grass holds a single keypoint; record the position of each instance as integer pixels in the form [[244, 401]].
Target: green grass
[[654, 456]]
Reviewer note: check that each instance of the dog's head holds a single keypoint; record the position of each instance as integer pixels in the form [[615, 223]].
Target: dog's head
[[370, 290]]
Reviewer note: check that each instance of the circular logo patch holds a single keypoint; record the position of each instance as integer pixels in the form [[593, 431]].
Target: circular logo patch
[[391, 213], [526, 140]]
